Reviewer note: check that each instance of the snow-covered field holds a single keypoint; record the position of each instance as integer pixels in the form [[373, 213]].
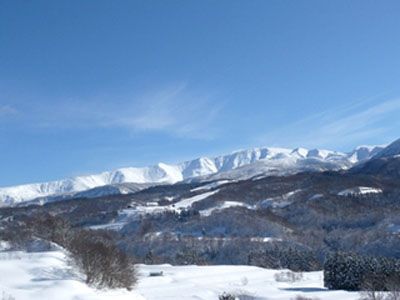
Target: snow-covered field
[[207, 282], [47, 275]]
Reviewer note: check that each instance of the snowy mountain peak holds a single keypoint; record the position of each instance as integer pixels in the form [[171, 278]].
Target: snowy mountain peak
[[198, 167], [239, 164], [364, 152], [392, 149], [322, 154], [302, 152]]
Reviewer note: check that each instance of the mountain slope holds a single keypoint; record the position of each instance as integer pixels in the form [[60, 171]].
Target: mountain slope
[[247, 163], [392, 149], [381, 166], [385, 162]]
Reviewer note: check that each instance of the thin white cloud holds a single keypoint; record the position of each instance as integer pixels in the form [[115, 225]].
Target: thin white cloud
[[175, 110], [7, 110], [350, 125], [360, 121]]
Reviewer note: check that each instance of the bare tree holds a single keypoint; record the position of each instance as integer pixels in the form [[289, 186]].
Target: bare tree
[[101, 261]]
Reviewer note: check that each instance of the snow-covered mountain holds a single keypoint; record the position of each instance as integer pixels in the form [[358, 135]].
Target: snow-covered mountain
[[362, 153], [385, 163], [391, 150], [239, 164], [103, 190]]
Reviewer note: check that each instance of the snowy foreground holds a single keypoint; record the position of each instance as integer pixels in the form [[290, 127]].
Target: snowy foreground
[[47, 275]]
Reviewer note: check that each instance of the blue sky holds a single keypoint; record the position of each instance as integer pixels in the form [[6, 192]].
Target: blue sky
[[87, 86]]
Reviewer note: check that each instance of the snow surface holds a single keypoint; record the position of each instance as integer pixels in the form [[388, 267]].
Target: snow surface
[[211, 185], [47, 276], [186, 203], [279, 201], [224, 205], [316, 196], [394, 228], [207, 282], [360, 190], [391, 150], [365, 152], [274, 160]]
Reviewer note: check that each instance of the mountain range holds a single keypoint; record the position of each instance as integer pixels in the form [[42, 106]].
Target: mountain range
[[241, 164], [259, 206]]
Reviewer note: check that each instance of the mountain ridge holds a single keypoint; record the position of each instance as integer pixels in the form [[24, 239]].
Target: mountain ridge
[[271, 161]]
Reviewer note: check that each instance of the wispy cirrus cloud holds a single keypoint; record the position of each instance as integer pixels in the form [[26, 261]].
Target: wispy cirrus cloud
[[175, 110], [345, 127], [7, 110]]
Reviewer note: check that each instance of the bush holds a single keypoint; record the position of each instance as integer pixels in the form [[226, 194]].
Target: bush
[[239, 295], [373, 295], [393, 287], [101, 261], [94, 252], [373, 287], [300, 297], [246, 297], [288, 276], [226, 296]]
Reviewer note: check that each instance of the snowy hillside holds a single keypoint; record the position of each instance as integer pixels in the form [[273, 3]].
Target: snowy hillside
[[241, 164], [47, 275]]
